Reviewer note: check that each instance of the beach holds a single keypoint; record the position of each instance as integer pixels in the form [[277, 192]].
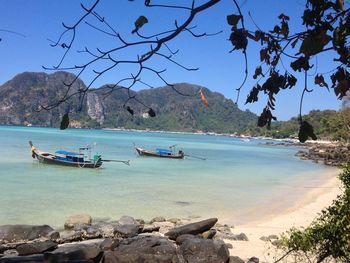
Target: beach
[[256, 189], [301, 214]]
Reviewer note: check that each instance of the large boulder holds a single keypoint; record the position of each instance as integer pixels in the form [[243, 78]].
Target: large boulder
[[35, 247], [78, 252], [127, 226], [126, 231], [143, 249], [75, 220], [23, 259], [192, 228], [199, 250], [16, 233]]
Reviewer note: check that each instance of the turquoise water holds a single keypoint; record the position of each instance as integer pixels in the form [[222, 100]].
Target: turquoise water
[[239, 180]]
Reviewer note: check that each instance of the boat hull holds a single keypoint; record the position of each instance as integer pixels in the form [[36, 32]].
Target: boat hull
[[49, 158], [143, 152]]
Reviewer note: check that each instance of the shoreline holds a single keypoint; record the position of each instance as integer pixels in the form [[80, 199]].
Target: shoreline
[[300, 214]]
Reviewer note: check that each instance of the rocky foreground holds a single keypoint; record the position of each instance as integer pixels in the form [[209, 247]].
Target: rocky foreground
[[125, 240]]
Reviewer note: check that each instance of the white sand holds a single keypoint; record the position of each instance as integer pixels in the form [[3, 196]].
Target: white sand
[[300, 215]]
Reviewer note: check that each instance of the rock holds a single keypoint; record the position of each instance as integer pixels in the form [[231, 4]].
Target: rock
[[80, 252], [330, 154], [11, 252], [182, 238], [264, 238], [81, 219], [198, 250], [127, 220], [235, 259], [53, 235], [140, 221], [109, 244], [23, 259], [126, 231], [253, 260], [209, 234], [240, 237], [150, 229], [16, 233], [223, 232], [175, 221], [228, 245], [126, 227], [192, 228], [35, 247], [270, 237], [164, 226], [222, 251], [107, 230], [157, 219], [143, 249], [277, 242], [3, 248], [70, 236], [92, 232]]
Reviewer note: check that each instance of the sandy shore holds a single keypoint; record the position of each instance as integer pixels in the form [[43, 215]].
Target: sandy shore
[[300, 214]]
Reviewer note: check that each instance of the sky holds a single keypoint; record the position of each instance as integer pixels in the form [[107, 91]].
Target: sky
[[28, 27]]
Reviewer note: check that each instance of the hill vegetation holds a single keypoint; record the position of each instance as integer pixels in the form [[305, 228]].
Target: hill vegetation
[[22, 96], [327, 124]]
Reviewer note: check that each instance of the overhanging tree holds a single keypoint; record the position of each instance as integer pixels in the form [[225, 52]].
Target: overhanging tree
[[283, 51]]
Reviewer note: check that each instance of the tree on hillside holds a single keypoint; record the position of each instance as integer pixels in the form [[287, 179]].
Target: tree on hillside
[[283, 51]]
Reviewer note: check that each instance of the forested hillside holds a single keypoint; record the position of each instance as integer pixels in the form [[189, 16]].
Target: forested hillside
[[22, 96]]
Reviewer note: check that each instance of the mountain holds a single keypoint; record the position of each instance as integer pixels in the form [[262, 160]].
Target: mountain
[[22, 96]]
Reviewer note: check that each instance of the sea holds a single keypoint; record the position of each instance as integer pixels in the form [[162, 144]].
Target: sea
[[239, 180]]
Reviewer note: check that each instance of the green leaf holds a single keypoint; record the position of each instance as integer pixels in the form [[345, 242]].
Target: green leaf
[[64, 122]]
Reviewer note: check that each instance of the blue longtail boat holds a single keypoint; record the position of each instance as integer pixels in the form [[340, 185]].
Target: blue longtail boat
[[159, 152], [66, 158]]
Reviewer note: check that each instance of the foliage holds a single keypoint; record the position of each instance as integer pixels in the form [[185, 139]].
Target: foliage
[[327, 125], [326, 29], [329, 235]]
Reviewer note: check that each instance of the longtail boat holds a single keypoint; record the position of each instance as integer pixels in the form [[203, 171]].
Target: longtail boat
[[66, 158], [162, 153]]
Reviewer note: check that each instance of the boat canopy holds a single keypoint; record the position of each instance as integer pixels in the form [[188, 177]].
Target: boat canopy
[[73, 154], [163, 151]]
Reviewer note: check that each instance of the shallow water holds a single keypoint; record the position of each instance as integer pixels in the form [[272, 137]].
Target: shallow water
[[239, 180]]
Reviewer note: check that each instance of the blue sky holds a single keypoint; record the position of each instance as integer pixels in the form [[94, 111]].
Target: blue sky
[[219, 70]]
